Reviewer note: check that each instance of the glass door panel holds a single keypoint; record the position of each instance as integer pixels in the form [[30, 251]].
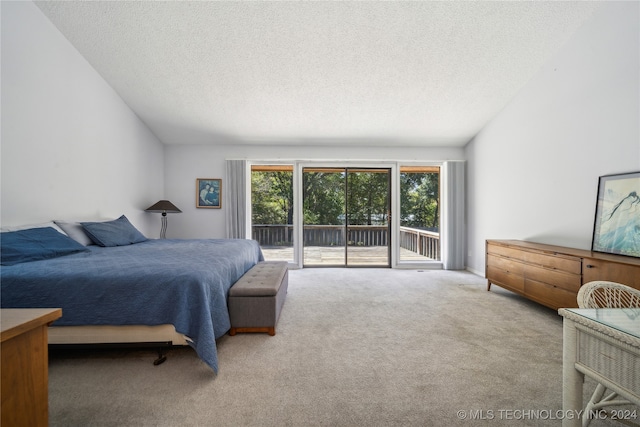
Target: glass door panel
[[368, 211], [323, 217], [346, 217]]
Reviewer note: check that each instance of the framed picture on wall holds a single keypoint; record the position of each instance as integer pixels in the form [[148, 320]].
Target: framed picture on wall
[[209, 193], [617, 224]]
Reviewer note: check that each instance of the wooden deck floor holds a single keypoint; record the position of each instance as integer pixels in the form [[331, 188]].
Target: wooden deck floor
[[325, 256]]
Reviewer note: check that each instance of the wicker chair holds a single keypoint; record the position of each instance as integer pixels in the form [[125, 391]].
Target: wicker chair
[[603, 294]]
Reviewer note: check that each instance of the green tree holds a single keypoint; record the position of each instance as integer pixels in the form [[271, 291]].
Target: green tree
[[420, 198], [368, 198], [272, 197], [323, 197]]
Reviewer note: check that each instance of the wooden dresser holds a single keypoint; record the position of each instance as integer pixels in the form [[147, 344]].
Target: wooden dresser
[[552, 275], [24, 365]]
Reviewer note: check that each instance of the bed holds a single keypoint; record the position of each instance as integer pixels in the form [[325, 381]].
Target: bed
[[177, 284]]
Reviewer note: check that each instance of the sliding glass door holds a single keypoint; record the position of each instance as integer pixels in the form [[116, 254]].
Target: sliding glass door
[[346, 217], [313, 214]]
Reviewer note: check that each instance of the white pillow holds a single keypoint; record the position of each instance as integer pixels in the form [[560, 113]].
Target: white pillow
[[74, 230], [27, 226]]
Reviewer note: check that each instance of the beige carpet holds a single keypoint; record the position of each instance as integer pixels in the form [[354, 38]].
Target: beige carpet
[[354, 347]]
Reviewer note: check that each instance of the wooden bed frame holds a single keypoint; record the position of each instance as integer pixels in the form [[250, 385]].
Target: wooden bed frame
[[111, 334], [114, 336]]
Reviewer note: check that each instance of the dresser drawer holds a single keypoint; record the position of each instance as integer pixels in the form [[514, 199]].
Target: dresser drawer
[[569, 282], [549, 295], [505, 251], [626, 274], [506, 264], [555, 262], [505, 279]]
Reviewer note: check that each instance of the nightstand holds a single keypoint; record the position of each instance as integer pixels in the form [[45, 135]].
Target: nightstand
[[24, 365]]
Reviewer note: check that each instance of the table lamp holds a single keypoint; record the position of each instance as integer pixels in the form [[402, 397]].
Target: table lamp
[[163, 207]]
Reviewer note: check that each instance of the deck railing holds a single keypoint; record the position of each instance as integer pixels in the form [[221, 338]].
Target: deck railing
[[422, 242], [273, 234]]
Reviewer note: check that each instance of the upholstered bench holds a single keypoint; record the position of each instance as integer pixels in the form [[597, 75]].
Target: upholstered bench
[[256, 299]]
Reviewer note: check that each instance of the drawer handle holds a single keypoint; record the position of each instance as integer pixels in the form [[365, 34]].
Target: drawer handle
[[591, 266]]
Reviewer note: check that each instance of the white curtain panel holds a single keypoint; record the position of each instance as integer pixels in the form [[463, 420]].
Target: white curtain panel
[[235, 197], [453, 230]]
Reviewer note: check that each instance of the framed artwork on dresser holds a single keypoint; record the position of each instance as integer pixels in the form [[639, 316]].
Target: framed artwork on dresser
[[209, 193], [617, 224]]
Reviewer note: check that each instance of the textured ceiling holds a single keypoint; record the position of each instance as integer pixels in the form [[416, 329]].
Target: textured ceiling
[[371, 73]]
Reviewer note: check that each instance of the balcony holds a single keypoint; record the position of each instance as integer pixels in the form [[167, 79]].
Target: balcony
[[324, 244]]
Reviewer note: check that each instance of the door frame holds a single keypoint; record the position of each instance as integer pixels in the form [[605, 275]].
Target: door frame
[[298, 215], [387, 170], [394, 165]]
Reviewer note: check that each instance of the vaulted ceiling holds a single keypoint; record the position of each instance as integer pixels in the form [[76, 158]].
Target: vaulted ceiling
[[373, 73]]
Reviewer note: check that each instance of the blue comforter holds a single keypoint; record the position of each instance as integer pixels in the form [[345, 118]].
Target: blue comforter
[[180, 282]]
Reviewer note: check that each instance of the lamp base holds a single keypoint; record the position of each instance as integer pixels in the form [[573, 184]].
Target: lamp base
[[163, 228]]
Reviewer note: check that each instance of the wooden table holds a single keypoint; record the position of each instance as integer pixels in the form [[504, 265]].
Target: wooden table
[[603, 344], [24, 365]]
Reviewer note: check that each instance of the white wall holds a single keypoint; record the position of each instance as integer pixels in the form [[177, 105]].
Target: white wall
[[71, 148], [533, 171], [186, 163]]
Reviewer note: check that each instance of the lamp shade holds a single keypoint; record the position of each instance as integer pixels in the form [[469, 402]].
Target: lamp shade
[[163, 206]]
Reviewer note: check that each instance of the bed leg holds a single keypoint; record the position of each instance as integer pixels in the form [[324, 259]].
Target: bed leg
[[161, 358]]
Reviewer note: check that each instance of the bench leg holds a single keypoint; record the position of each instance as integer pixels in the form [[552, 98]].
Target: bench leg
[[232, 331]]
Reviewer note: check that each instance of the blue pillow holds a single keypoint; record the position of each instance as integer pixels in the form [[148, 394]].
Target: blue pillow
[[119, 232], [35, 244]]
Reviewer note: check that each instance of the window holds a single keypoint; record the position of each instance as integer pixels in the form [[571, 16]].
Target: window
[[272, 210], [419, 213]]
